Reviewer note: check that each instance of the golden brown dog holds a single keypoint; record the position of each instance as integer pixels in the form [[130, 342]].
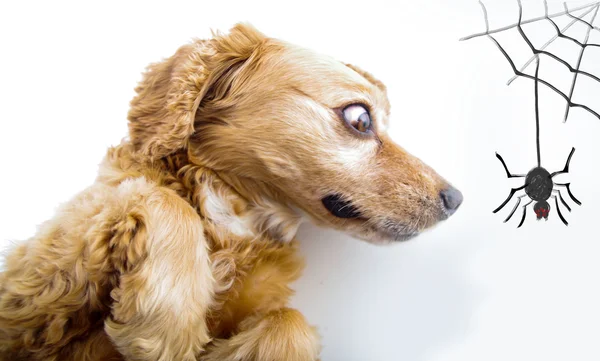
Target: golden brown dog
[[184, 247]]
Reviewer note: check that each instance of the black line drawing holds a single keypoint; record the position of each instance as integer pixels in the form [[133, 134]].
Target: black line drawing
[[539, 185]]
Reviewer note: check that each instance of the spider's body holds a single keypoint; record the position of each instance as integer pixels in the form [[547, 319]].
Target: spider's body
[[538, 184]]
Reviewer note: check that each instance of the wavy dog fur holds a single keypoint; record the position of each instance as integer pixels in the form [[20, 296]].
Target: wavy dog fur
[[184, 248]]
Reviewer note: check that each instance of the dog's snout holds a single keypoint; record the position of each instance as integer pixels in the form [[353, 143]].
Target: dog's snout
[[452, 198]]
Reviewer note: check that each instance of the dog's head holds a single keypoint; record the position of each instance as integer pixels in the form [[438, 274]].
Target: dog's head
[[306, 126]]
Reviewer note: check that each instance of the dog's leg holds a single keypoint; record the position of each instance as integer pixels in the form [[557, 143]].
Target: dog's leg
[[132, 257], [165, 283], [281, 334], [95, 347], [255, 324]]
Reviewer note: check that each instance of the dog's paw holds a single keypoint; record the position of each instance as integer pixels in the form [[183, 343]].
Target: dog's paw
[[279, 335]]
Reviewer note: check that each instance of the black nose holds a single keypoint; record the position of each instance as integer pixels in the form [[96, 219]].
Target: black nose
[[452, 199]]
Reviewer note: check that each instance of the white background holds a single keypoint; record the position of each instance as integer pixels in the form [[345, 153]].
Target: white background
[[473, 288]]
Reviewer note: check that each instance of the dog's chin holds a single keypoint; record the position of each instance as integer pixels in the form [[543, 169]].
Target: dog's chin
[[397, 236], [387, 233], [379, 233]]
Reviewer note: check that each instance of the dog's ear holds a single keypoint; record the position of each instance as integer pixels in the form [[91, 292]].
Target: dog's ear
[[161, 118]]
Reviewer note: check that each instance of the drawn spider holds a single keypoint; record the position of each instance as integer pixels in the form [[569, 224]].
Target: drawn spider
[[539, 184], [539, 187]]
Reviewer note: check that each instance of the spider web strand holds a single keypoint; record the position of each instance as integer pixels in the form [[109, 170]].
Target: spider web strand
[[537, 110], [488, 32], [590, 24], [559, 34], [565, 36], [587, 38], [571, 69], [521, 74]]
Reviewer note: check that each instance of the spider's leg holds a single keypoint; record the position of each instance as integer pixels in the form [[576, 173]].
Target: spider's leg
[[512, 193], [524, 213], [566, 169], [508, 174], [558, 211], [562, 200], [568, 186], [514, 208]]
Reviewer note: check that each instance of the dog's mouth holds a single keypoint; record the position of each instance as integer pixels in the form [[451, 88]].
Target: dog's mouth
[[340, 207], [383, 230]]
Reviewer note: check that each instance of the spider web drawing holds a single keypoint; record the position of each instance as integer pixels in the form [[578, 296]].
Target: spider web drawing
[[539, 183], [586, 10]]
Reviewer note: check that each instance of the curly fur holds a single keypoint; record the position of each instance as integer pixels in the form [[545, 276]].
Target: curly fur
[[184, 248]]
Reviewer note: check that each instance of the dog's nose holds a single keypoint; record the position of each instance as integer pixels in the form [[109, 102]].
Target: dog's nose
[[452, 199]]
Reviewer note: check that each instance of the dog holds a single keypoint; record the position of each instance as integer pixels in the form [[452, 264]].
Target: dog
[[184, 247]]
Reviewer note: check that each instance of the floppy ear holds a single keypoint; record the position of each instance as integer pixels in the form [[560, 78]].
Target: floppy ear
[[161, 118]]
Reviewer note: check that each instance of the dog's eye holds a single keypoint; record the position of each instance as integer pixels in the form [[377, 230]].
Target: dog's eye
[[357, 116]]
